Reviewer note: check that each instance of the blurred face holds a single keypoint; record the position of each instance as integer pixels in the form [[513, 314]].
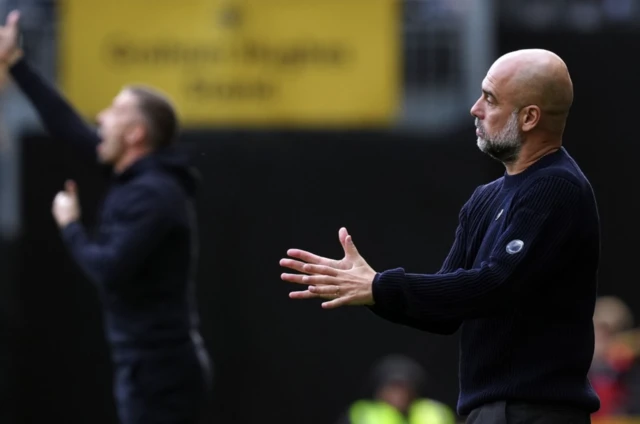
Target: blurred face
[[604, 335], [397, 394], [497, 124], [121, 127]]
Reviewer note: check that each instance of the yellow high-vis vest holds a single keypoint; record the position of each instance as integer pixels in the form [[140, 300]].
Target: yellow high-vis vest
[[423, 411]]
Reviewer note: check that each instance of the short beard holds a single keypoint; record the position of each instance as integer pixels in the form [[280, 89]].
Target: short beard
[[504, 146]]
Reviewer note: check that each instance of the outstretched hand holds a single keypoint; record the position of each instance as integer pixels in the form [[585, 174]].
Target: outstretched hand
[[342, 282]]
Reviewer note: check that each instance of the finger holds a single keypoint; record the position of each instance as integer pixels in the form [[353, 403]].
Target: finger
[[305, 294], [311, 258], [292, 264], [348, 246], [320, 269], [330, 292], [13, 18], [336, 303], [351, 247], [292, 278], [310, 280], [71, 187], [342, 235]]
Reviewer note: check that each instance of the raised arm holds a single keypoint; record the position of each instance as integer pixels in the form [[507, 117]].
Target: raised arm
[[59, 118]]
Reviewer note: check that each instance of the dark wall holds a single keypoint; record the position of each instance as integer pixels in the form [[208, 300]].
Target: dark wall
[[9, 326], [290, 362]]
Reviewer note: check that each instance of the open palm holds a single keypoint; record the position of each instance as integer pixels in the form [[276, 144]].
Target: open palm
[[343, 282]]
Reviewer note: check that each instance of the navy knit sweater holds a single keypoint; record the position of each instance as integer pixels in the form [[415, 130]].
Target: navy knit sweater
[[521, 280]]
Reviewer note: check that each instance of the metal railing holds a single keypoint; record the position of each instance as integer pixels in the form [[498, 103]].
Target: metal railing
[[448, 47], [571, 15]]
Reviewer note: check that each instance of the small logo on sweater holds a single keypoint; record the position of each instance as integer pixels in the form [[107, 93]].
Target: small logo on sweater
[[499, 214], [514, 246]]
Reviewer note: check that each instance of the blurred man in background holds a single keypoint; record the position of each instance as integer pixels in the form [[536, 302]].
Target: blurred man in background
[[397, 382], [143, 256], [615, 371]]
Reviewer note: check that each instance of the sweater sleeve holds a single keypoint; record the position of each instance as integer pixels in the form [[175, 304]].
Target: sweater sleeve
[[541, 218], [58, 116], [140, 221], [455, 259]]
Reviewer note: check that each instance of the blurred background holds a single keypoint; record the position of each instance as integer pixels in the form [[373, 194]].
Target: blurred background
[[304, 116]]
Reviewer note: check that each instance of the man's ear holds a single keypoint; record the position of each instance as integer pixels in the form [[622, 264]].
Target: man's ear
[[529, 117]]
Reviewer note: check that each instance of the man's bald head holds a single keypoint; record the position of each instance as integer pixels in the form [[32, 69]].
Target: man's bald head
[[536, 77]]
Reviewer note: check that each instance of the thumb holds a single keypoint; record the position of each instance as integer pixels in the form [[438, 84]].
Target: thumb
[[71, 187], [13, 19], [349, 247]]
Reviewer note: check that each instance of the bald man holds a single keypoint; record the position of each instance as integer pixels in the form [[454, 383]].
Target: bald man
[[520, 279]]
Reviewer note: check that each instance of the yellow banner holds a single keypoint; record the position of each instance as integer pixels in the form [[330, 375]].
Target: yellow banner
[[238, 62]]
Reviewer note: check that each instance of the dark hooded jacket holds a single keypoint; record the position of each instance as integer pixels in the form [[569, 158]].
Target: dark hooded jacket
[[143, 254]]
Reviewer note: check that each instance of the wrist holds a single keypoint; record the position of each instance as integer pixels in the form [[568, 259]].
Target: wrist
[[67, 223], [6, 63], [4, 70]]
